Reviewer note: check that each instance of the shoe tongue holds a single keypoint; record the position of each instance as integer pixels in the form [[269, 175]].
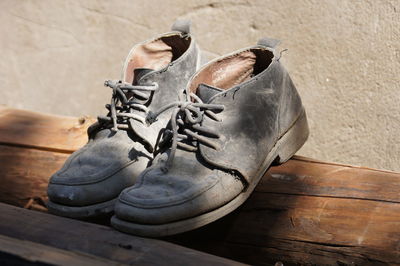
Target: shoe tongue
[[138, 73], [206, 92]]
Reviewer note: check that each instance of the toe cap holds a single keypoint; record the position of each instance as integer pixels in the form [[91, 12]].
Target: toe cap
[[97, 172], [158, 198]]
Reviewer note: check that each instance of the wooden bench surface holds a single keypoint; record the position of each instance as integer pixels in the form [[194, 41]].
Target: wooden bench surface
[[92, 242], [302, 212]]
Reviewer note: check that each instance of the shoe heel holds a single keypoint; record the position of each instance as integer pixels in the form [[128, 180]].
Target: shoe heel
[[292, 140]]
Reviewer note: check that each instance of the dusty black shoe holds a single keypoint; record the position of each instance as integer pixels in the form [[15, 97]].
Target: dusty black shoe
[[121, 144], [242, 113]]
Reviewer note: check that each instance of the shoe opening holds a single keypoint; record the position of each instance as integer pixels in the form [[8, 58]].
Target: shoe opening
[[156, 54], [234, 69]]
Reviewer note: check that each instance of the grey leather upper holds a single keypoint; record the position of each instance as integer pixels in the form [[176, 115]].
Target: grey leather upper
[[174, 78], [256, 114], [111, 161]]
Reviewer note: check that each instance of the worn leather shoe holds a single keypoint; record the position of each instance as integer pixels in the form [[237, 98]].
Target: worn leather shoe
[[242, 113], [121, 143]]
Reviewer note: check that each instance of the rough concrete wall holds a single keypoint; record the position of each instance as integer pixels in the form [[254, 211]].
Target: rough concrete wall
[[344, 57]]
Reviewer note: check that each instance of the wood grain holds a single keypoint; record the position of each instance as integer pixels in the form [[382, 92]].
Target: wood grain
[[25, 173], [21, 252], [302, 212], [41, 131], [311, 213], [97, 240]]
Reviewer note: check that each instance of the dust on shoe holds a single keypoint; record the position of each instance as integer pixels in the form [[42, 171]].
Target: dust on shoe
[[121, 143], [242, 112]]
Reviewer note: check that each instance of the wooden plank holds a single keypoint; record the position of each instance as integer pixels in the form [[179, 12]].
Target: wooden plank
[[316, 230], [303, 176], [41, 131], [304, 211], [21, 252], [97, 240], [25, 173], [334, 212], [311, 212]]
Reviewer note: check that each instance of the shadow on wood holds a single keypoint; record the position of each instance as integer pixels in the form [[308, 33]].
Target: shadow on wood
[[302, 212], [88, 242]]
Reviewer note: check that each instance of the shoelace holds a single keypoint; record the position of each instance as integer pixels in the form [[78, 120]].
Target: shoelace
[[123, 110], [187, 116], [127, 104]]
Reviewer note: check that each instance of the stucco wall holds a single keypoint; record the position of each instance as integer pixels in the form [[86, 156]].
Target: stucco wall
[[344, 57]]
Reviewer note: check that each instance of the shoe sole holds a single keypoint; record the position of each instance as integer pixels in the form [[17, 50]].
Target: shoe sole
[[283, 150], [81, 212]]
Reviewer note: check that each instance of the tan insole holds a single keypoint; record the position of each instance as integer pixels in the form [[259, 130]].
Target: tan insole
[[154, 55], [227, 72]]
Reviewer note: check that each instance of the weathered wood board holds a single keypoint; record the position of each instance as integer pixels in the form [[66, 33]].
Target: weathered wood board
[[22, 252], [40, 131], [88, 240], [302, 212]]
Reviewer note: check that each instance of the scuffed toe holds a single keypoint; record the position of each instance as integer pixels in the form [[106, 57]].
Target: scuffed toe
[[97, 172], [162, 198]]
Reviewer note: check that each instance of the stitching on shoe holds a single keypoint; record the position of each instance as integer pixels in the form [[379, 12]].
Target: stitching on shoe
[[96, 180], [169, 202]]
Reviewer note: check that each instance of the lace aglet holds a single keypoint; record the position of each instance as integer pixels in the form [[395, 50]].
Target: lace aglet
[[150, 118], [107, 83]]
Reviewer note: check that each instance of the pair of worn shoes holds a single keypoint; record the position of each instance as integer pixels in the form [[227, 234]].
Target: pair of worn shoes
[[179, 149]]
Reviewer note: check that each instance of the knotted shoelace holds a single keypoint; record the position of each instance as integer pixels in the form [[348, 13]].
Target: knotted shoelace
[[123, 110], [128, 103], [186, 118]]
